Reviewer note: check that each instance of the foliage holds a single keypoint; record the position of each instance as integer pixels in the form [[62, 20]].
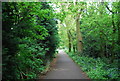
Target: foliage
[[96, 68], [100, 34], [99, 26], [29, 38]]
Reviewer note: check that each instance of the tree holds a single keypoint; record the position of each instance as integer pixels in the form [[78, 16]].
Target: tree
[[29, 34]]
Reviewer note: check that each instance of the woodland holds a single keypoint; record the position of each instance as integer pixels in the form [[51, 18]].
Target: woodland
[[32, 33]]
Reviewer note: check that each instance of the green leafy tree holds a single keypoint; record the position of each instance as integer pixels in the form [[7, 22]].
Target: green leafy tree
[[29, 39]]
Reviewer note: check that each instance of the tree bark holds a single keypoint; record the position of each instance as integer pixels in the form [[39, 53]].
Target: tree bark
[[78, 35], [69, 39], [118, 22]]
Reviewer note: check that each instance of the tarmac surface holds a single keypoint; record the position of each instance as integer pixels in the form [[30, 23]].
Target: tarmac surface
[[65, 68]]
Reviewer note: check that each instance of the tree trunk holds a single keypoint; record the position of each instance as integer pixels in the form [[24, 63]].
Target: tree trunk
[[118, 22], [69, 39], [102, 45], [78, 35]]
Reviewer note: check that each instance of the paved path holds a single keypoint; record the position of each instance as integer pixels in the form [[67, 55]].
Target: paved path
[[65, 68]]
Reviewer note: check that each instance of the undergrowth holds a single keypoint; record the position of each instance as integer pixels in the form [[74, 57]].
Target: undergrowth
[[96, 68]]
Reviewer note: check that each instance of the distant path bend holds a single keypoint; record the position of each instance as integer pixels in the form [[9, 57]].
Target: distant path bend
[[65, 68]]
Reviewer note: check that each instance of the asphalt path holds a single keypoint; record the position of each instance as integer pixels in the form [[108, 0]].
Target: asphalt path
[[65, 68]]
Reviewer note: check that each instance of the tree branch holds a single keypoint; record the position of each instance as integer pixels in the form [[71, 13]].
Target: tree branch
[[109, 9]]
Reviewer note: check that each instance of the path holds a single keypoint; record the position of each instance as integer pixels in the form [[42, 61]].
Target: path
[[65, 68]]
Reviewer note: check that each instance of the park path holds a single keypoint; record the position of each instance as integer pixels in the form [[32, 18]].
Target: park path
[[65, 68]]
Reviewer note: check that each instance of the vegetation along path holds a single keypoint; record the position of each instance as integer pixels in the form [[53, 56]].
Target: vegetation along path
[[65, 68]]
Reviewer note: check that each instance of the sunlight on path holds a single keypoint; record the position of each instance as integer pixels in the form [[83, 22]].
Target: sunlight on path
[[60, 51]]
